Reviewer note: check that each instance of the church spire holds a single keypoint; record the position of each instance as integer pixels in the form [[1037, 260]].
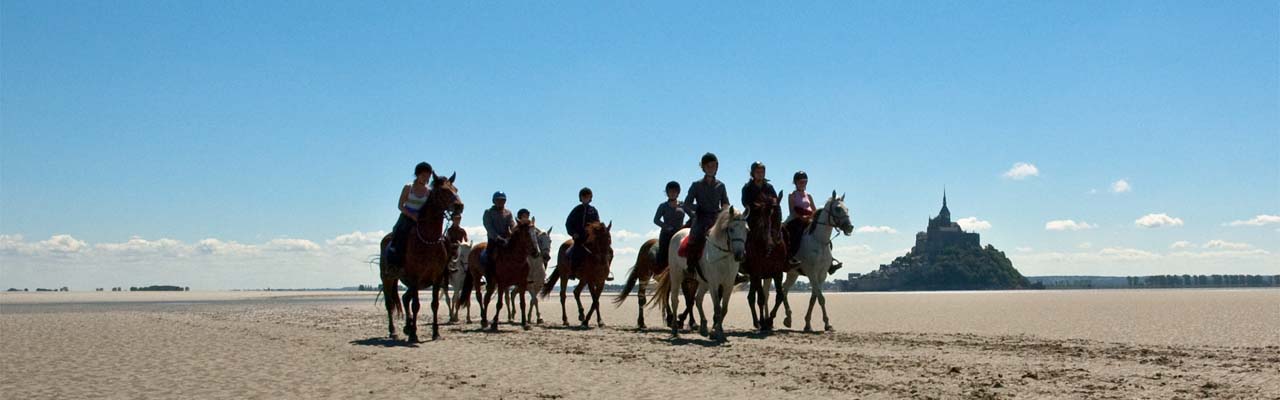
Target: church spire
[[944, 214]]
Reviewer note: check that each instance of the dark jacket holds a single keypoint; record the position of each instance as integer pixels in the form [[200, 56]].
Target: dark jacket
[[751, 192], [705, 200], [578, 219]]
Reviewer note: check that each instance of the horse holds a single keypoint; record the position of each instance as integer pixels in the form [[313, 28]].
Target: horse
[[725, 249], [458, 271], [537, 272], [426, 261], [815, 257], [645, 268], [766, 259], [510, 267], [593, 272]]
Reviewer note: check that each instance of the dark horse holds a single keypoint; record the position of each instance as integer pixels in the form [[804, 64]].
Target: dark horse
[[426, 260], [510, 268], [593, 272], [766, 258]]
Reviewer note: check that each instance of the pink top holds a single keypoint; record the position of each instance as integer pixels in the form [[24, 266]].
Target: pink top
[[801, 205]]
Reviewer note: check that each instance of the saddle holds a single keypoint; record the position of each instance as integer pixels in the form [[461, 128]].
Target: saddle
[[683, 251]]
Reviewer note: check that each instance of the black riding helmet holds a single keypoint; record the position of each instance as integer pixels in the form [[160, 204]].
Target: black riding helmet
[[798, 176], [754, 166], [708, 158], [421, 167], [673, 185], [584, 192]]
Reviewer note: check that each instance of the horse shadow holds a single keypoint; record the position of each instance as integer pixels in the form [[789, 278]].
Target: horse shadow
[[382, 342]]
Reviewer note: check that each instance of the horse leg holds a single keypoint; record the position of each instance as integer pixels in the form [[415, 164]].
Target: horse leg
[[484, 307], [778, 298], [564, 315], [511, 306], [435, 308], [640, 311], [595, 303], [524, 318], [497, 312], [410, 315], [786, 301], [726, 292], [813, 298], [702, 315], [822, 301], [751, 301], [577, 297], [689, 298], [761, 303]]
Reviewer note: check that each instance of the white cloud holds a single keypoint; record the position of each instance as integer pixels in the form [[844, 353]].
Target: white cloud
[[1120, 186], [1260, 220], [1021, 171], [477, 233], [357, 239], [876, 229], [1181, 244], [1225, 254], [1222, 244], [1067, 225], [291, 245], [1158, 221], [624, 234], [1024, 249], [213, 246], [1127, 254], [1085, 245], [973, 224]]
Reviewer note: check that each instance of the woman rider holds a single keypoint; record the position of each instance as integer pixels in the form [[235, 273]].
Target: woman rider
[[412, 198]]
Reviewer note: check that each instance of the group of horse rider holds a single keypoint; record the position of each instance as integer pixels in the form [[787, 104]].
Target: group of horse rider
[[703, 201]]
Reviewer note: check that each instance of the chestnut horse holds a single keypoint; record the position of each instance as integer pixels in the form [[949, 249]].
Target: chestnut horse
[[426, 261], [510, 268], [593, 272], [766, 258], [645, 269], [537, 272]]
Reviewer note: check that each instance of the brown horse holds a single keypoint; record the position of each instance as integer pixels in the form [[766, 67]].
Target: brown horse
[[646, 268], [593, 272], [510, 268], [766, 258], [426, 261]]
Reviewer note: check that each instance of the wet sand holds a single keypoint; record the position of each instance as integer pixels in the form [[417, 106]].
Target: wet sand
[[1057, 344]]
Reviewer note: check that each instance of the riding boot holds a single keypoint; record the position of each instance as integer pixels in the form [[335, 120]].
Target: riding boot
[[695, 257], [834, 266]]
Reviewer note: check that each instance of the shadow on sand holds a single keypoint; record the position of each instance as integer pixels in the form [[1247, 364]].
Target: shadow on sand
[[383, 342]]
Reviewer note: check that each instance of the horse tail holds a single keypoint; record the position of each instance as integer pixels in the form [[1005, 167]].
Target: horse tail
[[467, 286], [551, 282], [632, 277], [664, 289], [391, 297]]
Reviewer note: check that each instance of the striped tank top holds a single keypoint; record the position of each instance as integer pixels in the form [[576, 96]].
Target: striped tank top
[[414, 203]]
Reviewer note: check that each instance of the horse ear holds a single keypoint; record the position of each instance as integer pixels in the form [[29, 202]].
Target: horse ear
[[549, 230], [833, 193], [779, 194], [730, 211], [609, 227], [842, 196], [453, 177]]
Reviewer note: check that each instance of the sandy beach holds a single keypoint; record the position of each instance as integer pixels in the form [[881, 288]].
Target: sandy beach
[[1049, 344]]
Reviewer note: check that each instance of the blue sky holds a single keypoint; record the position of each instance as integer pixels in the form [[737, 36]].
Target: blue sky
[[281, 127]]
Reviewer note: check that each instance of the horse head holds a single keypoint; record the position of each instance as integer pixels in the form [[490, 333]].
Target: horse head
[[544, 244], [732, 227], [599, 241], [839, 214], [523, 240], [444, 195]]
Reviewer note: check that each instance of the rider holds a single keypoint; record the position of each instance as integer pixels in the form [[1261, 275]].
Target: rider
[[412, 198], [576, 224], [801, 207], [705, 199], [758, 184], [455, 234], [498, 224], [669, 218]]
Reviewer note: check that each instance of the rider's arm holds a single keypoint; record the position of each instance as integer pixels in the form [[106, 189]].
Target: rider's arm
[[404, 197]]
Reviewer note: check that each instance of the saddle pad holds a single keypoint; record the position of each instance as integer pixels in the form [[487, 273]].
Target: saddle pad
[[683, 251]]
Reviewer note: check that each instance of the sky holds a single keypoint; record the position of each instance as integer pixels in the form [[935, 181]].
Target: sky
[[246, 144]]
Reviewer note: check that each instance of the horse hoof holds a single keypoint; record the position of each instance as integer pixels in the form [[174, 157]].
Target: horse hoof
[[703, 332], [640, 326], [525, 327], [829, 328], [786, 322], [807, 329], [540, 322], [435, 337]]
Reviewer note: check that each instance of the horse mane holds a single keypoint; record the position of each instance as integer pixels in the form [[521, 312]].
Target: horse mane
[[817, 214], [722, 221], [594, 231]]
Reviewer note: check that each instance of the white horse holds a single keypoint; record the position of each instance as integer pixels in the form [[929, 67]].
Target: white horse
[[724, 250], [458, 273], [537, 274], [815, 257]]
